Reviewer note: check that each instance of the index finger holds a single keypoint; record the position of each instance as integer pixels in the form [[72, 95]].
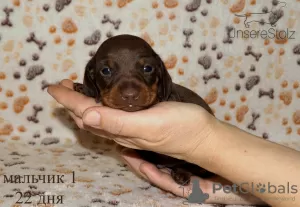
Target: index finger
[[67, 83], [72, 100]]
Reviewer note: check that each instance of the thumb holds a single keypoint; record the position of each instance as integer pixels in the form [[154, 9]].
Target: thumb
[[118, 122]]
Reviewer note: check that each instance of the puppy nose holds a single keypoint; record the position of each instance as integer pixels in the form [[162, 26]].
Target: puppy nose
[[130, 94]]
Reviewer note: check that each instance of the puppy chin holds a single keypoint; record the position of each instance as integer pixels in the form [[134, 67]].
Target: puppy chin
[[116, 105], [133, 108]]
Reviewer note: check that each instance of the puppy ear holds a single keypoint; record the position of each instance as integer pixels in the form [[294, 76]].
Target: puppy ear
[[165, 83], [90, 86]]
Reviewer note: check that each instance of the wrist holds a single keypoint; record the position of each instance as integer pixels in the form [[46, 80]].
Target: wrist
[[209, 147]]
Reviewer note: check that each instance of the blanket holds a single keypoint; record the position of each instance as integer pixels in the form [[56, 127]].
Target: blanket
[[241, 56]]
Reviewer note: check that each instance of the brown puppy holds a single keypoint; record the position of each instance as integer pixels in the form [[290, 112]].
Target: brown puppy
[[127, 74]]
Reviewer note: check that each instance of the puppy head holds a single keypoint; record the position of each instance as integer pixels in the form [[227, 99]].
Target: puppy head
[[127, 74]]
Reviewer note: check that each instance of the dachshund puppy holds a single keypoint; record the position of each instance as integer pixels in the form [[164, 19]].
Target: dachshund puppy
[[127, 74]]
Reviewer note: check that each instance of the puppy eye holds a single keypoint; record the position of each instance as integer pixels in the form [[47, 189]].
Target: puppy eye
[[148, 69], [106, 71]]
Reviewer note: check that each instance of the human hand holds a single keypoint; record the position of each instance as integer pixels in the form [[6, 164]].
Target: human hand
[[162, 131], [163, 128], [162, 179]]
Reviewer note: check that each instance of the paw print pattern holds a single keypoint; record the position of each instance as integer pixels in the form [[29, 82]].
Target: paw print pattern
[[214, 75], [193, 5], [93, 39], [253, 83], [261, 188], [34, 71], [61, 4], [206, 61]]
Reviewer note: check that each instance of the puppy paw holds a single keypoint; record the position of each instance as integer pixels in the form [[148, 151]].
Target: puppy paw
[[78, 87], [180, 176]]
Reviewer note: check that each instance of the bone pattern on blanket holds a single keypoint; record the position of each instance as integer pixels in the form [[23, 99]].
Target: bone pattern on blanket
[[253, 83]]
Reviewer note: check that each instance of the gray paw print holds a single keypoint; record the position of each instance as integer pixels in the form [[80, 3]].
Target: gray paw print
[[261, 188]]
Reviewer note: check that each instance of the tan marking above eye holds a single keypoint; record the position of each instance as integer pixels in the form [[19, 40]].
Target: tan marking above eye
[[110, 63], [141, 61]]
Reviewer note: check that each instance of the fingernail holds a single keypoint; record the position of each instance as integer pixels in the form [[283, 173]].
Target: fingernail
[[92, 118]]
